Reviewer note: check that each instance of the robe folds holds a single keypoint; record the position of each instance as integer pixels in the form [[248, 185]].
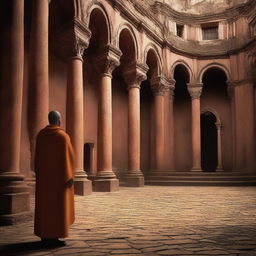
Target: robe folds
[[54, 166]]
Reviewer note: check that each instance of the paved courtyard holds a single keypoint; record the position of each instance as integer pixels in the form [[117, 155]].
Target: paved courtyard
[[152, 221]]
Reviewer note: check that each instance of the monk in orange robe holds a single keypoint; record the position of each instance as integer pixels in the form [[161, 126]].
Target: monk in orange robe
[[54, 168]]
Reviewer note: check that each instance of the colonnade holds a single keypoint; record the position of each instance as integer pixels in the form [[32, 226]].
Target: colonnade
[[14, 195]]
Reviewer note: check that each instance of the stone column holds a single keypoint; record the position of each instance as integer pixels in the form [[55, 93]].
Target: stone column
[[74, 112], [195, 91], [70, 42], [219, 166], [38, 72], [14, 195], [133, 76], [106, 62], [157, 85], [169, 125]]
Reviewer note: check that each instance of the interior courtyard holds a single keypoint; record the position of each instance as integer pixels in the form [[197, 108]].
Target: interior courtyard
[[158, 98]]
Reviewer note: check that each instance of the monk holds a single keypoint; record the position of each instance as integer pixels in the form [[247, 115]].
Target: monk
[[54, 168]]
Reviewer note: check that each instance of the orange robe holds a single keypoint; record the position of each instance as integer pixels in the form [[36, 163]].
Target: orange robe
[[54, 166]]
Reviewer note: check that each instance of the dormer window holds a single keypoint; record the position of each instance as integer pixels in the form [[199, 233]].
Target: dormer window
[[210, 31], [179, 30]]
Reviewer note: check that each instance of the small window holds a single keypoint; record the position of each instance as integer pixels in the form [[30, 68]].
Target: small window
[[210, 31], [179, 29]]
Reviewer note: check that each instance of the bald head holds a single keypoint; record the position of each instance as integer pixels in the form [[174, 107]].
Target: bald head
[[54, 117]]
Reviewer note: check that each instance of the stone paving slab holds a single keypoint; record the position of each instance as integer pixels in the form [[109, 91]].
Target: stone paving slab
[[151, 221]]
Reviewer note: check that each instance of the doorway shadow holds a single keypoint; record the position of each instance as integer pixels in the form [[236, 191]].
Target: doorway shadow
[[25, 248]]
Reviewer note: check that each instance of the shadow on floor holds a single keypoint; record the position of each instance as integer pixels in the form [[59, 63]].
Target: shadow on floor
[[24, 248]]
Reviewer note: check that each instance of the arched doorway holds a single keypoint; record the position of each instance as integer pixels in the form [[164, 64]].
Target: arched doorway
[[209, 147], [182, 119], [215, 100]]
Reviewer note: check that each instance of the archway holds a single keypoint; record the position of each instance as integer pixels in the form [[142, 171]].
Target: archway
[[147, 113], [182, 119], [209, 148], [99, 27], [215, 99]]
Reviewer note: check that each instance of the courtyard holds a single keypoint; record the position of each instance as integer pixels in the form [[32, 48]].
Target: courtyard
[[151, 221]]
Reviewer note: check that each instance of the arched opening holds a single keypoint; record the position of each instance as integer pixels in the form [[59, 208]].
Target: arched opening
[[215, 96], [182, 120], [127, 47], [99, 29], [98, 25], [120, 104], [209, 148], [146, 109]]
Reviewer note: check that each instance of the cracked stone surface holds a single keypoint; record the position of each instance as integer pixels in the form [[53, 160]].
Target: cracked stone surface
[[151, 221]]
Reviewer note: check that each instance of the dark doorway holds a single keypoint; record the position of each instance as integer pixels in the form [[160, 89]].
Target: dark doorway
[[87, 157], [209, 150]]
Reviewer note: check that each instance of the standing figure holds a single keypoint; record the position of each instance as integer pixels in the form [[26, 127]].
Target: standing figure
[[54, 168]]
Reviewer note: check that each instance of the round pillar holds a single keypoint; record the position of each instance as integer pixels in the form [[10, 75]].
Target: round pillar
[[195, 93], [38, 72], [106, 179], [74, 119], [134, 75], [14, 195], [219, 165], [169, 127]]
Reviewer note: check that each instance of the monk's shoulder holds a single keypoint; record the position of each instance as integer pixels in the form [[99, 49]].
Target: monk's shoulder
[[41, 133], [62, 134]]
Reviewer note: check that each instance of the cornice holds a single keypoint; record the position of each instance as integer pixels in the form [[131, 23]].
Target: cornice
[[184, 18], [197, 49], [192, 49]]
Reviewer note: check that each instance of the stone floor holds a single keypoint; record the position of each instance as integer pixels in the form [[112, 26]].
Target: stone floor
[[152, 221]]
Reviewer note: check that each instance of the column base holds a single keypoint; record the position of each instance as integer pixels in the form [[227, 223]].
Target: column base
[[14, 199], [135, 181], [106, 181], [219, 169], [16, 218], [195, 169], [106, 185], [134, 178], [82, 185], [31, 183]]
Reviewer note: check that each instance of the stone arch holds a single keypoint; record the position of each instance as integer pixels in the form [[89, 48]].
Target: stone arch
[[99, 7], [128, 27], [213, 111], [213, 65], [153, 49], [186, 66]]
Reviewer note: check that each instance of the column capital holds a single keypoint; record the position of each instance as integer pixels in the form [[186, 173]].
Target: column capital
[[161, 84], [218, 125], [195, 90], [72, 39], [135, 74], [108, 60]]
